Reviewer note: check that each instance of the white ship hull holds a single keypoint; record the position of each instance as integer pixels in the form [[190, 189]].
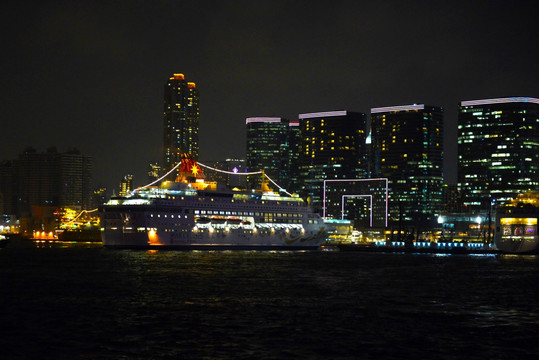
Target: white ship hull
[[215, 239]]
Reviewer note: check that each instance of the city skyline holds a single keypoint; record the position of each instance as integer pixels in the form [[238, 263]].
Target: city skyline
[[90, 75]]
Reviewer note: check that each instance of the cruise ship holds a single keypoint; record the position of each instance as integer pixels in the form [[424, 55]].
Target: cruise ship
[[191, 213], [516, 225]]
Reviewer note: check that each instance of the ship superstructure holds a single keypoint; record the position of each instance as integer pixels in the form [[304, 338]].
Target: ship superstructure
[[194, 214]]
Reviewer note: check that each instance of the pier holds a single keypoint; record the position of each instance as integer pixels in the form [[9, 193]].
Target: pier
[[422, 247]]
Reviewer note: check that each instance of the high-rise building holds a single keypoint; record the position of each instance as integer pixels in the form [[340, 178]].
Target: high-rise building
[[291, 179], [267, 148], [407, 143], [181, 119], [498, 149], [364, 202], [331, 146], [75, 179], [8, 185], [53, 179]]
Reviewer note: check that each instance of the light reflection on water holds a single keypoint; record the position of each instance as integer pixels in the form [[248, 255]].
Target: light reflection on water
[[84, 301]]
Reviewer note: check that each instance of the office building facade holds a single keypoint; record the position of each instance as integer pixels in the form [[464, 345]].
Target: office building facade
[[331, 146], [364, 202], [407, 144], [267, 148], [498, 150], [181, 120], [292, 180]]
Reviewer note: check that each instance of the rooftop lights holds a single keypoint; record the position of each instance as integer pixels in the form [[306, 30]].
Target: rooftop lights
[[397, 108], [500, 101]]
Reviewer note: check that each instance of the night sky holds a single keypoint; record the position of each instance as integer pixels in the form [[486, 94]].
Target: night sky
[[90, 74]]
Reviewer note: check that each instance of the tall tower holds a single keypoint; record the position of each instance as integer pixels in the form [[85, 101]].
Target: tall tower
[[181, 118], [407, 142], [498, 150]]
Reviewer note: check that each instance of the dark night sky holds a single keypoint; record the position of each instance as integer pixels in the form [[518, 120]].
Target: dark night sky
[[90, 74]]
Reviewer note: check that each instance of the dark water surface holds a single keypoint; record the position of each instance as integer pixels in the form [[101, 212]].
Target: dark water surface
[[80, 301]]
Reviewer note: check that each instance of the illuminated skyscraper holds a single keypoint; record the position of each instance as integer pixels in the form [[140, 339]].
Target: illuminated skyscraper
[[498, 146], [181, 118], [267, 148], [332, 146], [292, 176], [407, 143]]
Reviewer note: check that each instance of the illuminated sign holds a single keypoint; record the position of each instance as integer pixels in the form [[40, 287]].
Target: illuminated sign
[[518, 221]]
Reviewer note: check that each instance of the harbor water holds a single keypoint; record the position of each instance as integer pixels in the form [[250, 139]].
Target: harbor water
[[82, 301]]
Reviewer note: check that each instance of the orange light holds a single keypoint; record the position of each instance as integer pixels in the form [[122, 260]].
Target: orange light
[[191, 85], [179, 77], [153, 237]]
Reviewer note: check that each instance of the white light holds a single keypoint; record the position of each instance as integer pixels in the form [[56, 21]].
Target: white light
[[323, 114], [397, 108]]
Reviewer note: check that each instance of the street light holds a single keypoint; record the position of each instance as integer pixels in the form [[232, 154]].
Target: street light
[[478, 221]]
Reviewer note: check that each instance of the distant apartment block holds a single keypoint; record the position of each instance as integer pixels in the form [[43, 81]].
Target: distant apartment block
[[51, 179]]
